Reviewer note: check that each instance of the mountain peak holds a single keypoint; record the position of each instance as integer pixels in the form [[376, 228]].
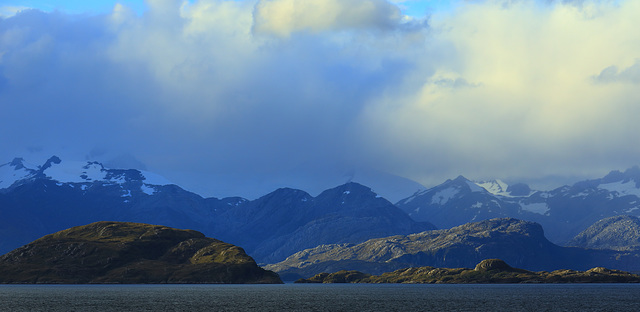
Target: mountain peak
[[52, 160], [61, 171], [632, 173], [17, 163], [349, 189], [460, 178]]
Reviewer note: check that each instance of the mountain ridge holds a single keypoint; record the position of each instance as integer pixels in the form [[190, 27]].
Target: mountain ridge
[[269, 228], [564, 212], [516, 241]]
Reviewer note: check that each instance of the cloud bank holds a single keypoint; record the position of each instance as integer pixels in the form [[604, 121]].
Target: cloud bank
[[240, 97]]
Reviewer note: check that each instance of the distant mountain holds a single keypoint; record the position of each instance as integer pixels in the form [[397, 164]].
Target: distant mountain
[[617, 233], [58, 195], [38, 200], [119, 252], [519, 242], [460, 201], [287, 220], [563, 212]]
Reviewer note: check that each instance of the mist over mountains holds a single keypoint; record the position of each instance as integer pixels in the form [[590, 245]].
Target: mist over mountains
[[563, 212], [56, 195]]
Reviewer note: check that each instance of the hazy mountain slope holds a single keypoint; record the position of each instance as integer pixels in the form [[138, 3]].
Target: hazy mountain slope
[[285, 221], [57, 195]]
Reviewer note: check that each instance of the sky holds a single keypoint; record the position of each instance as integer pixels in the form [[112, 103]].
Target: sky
[[242, 97]]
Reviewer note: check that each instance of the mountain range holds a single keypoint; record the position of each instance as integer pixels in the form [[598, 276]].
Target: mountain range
[[36, 201], [515, 241], [563, 212]]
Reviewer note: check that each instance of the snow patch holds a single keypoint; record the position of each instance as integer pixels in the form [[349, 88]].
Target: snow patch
[[126, 194], [621, 188], [545, 194], [442, 197], [581, 194], [10, 175], [147, 189], [632, 209], [121, 179], [477, 205], [408, 200], [76, 172], [154, 179], [495, 187], [347, 192], [539, 208]]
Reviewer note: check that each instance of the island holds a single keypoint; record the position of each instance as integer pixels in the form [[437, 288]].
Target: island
[[489, 271]]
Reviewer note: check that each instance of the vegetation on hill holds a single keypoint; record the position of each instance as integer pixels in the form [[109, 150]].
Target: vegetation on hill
[[122, 252], [487, 271]]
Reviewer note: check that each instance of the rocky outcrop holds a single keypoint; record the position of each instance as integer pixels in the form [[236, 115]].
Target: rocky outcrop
[[519, 242], [121, 252], [490, 271], [616, 233]]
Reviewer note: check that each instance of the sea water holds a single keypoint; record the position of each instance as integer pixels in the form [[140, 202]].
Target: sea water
[[322, 297]]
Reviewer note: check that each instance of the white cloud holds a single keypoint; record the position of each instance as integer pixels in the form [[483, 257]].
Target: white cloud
[[291, 93], [535, 110], [9, 11]]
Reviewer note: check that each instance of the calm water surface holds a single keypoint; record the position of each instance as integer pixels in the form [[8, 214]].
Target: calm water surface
[[330, 297]]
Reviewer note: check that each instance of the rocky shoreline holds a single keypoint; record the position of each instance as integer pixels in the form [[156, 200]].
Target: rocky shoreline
[[490, 271]]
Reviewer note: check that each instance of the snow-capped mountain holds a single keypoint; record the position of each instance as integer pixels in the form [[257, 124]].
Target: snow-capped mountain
[[495, 187], [41, 199], [563, 212], [18, 172], [36, 200], [460, 201]]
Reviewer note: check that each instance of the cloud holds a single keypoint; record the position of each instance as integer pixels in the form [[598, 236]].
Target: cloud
[[534, 111], [241, 97], [284, 17], [9, 11], [610, 74]]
